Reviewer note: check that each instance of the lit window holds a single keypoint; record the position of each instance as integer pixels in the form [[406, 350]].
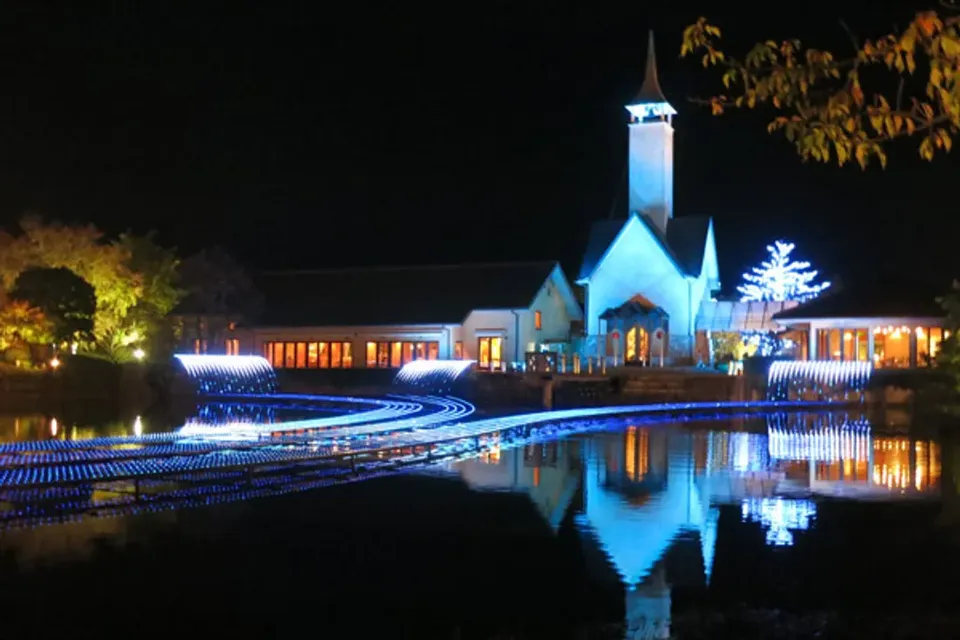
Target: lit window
[[458, 350], [347, 355], [289, 357], [537, 320], [232, 346], [490, 353], [421, 353], [312, 355], [336, 355], [433, 351], [371, 355], [301, 355], [383, 355], [407, 352], [324, 349], [396, 354]]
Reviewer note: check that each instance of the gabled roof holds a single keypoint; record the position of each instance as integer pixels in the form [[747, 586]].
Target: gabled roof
[[878, 298], [687, 238], [397, 295], [684, 243]]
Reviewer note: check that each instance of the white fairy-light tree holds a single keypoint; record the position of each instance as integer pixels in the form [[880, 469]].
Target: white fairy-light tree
[[780, 278]]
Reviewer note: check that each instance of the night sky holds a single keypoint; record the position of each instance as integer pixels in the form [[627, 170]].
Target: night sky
[[298, 135]]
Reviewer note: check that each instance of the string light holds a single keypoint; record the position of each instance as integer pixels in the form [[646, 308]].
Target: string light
[[826, 380]]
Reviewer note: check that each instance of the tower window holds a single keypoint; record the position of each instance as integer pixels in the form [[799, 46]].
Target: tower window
[[537, 320]]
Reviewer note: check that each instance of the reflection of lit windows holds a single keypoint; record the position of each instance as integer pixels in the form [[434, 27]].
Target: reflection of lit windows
[[779, 516]]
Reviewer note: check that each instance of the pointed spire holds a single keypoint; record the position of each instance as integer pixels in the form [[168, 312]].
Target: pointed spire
[[650, 90], [650, 101]]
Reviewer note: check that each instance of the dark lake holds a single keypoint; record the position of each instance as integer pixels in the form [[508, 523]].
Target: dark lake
[[629, 528]]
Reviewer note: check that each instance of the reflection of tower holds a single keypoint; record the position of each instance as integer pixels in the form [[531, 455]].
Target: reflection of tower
[[648, 607]]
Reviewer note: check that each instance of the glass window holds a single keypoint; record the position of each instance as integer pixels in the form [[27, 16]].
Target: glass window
[[383, 355], [537, 320], [347, 355], [301, 355], [396, 354], [483, 349], [232, 346], [630, 353], [496, 356], [891, 347], [336, 355], [407, 352], [289, 359], [312, 355], [433, 351], [458, 350], [324, 350], [277, 360], [421, 351], [371, 355], [937, 335]]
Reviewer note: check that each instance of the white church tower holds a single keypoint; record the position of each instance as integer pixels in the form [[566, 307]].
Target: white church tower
[[651, 149]]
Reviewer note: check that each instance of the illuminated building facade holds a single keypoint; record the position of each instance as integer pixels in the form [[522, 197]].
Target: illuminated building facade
[[667, 266], [383, 318], [889, 323]]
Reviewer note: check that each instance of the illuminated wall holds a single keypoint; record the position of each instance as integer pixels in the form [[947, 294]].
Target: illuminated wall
[[651, 170]]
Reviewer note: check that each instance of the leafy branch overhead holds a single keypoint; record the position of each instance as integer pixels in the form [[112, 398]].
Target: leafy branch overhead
[[834, 108]]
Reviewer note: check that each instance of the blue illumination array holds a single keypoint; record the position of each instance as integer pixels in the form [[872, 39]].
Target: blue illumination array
[[803, 380], [67, 503], [216, 375]]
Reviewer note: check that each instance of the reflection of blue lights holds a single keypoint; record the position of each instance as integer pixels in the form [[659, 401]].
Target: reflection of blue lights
[[779, 516], [229, 374], [825, 379]]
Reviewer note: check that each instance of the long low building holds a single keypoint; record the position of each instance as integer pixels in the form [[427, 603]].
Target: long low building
[[891, 323], [385, 317]]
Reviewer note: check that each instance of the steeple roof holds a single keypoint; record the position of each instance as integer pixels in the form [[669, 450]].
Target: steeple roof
[[650, 91]]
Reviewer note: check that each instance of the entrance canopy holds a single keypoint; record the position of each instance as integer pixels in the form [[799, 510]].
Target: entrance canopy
[[740, 317]]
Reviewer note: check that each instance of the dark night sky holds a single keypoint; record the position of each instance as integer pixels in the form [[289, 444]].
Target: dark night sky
[[302, 136]]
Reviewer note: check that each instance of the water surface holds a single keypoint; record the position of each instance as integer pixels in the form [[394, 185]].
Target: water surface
[[628, 526]]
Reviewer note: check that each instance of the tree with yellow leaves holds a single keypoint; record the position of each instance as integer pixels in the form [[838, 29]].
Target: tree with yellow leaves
[[823, 104]]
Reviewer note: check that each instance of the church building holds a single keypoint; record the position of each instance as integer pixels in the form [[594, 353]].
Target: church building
[[645, 275]]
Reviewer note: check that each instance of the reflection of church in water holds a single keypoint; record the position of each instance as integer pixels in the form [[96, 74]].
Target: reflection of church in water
[[646, 499]]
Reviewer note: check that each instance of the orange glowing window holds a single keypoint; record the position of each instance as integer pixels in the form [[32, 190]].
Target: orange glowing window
[[371, 358], [301, 355], [232, 346], [433, 351], [276, 349], [323, 349], [421, 353], [537, 320], [458, 350], [347, 355], [383, 355], [396, 354], [336, 355], [313, 355], [289, 357], [407, 352]]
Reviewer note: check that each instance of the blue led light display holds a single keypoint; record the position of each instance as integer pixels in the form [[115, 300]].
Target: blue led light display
[[229, 374]]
